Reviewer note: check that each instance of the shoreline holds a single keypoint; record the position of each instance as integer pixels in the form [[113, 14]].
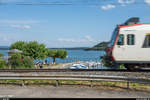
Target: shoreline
[[62, 65], [68, 65]]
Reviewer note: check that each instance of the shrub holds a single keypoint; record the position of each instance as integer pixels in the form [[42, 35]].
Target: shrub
[[15, 60], [28, 62], [2, 64], [1, 55]]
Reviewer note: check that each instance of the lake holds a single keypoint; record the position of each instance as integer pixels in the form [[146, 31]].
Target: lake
[[75, 55]]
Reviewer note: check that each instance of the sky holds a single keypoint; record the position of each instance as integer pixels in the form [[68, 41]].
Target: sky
[[66, 23]]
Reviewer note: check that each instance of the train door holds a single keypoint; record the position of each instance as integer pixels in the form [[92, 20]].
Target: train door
[[119, 48]]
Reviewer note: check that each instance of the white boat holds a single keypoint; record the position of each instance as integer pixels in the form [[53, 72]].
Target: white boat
[[78, 66]]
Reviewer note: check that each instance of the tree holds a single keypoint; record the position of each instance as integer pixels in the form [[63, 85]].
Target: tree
[[2, 62], [18, 45], [1, 55], [52, 53], [62, 54], [32, 49], [15, 60], [28, 62], [35, 50]]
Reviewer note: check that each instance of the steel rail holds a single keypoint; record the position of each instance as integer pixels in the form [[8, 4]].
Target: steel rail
[[68, 70]]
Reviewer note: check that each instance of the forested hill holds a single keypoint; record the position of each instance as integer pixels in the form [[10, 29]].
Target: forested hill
[[99, 46]]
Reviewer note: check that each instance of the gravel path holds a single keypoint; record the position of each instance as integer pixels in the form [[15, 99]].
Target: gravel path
[[67, 92]]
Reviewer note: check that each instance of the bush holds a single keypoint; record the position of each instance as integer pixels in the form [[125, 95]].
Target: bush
[[2, 64], [15, 60], [1, 55], [28, 62]]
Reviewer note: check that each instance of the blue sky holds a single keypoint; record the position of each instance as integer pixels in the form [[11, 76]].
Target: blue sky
[[82, 24]]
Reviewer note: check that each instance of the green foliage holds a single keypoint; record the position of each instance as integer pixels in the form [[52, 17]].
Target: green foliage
[[15, 60], [122, 66], [1, 55], [18, 45], [32, 49], [2, 64], [62, 54], [51, 53], [27, 62], [35, 50]]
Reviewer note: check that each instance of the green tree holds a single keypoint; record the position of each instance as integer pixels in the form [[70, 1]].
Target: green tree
[[28, 62], [32, 49], [15, 60], [18, 45], [52, 53], [62, 54], [35, 50], [1, 55], [2, 62]]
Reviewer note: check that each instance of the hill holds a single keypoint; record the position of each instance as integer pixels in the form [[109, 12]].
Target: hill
[[99, 46]]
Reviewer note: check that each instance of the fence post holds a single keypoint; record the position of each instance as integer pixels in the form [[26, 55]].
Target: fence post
[[91, 83], [56, 83], [128, 84], [23, 83]]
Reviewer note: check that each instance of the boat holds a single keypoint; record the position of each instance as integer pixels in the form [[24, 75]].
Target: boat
[[78, 66]]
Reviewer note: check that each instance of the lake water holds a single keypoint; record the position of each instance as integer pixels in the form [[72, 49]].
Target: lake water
[[73, 56]]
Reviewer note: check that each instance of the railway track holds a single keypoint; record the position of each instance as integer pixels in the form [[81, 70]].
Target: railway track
[[142, 76], [71, 70]]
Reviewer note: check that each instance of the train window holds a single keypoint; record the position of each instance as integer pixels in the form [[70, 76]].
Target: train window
[[121, 40], [130, 39], [147, 42]]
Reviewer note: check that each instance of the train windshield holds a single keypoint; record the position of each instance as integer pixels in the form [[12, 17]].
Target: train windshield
[[113, 37]]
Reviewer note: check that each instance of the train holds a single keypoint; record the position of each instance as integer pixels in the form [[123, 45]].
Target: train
[[129, 45]]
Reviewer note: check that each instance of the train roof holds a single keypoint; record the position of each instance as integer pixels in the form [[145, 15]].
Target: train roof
[[138, 26]]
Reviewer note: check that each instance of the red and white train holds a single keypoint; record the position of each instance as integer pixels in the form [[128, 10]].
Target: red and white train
[[130, 45]]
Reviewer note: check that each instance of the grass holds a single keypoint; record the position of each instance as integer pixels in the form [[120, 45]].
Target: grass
[[96, 84]]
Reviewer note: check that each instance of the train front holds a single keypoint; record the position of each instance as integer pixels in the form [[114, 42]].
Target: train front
[[108, 59]]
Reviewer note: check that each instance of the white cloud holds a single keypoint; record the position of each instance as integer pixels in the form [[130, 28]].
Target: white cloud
[[89, 38], [147, 2], [26, 26], [85, 39], [107, 7], [125, 2], [20, 26]]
